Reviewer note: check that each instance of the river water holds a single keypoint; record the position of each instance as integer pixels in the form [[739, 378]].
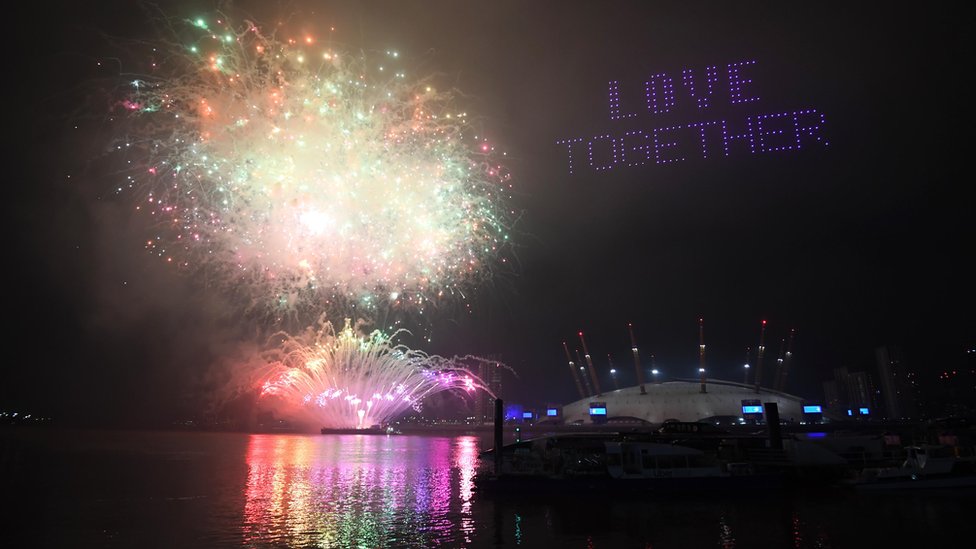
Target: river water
[[72, 489]]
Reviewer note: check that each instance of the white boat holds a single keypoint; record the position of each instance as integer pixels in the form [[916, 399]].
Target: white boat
[[591, 462], [926, 466], [634, 460]]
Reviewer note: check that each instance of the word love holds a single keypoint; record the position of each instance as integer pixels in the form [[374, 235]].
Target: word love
[[697, 92]]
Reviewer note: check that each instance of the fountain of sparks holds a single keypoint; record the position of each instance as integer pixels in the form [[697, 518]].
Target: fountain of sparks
[[350, 380]]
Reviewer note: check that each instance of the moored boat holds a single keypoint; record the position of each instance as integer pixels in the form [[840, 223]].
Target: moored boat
[[924, 467], [596, 462]]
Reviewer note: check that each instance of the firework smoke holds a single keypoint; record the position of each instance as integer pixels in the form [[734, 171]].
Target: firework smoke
[[300, 178], [310, 177]]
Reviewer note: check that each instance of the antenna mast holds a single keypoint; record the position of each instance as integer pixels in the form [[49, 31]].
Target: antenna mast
[[589, 364], [572, 370], [701, 353], [759, 358], [786, 362], [637, 367]]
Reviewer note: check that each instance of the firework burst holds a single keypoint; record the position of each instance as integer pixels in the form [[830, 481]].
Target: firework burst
[[309, 177], [347, 380]]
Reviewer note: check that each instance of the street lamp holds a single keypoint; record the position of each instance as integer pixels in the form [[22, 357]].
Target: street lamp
[[655, 372], [613, 376], [745, 378]]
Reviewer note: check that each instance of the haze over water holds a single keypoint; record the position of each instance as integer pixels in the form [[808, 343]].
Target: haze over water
[[188, 489]]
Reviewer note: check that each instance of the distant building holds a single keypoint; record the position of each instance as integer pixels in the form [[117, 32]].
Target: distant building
[[849, 390], [832, 400], [899, 385], [861, 391], [954, 394], [490, 372]]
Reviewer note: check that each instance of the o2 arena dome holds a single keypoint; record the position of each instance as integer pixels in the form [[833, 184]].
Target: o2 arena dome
[[683, 400]]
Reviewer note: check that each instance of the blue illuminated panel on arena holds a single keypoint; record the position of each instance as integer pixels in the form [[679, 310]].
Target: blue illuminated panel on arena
[[812, 410], [752, 409]]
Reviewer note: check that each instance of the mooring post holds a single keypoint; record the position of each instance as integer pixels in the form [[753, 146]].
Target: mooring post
[[499, 420], [772, 422]]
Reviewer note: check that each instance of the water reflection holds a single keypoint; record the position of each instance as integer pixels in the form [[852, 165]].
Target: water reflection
[[467, 463], [209, 490], [407, 491], [696, 520], [726, 539], [357, 490]]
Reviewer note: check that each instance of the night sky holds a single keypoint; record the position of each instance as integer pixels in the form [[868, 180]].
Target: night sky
[[859, 243]]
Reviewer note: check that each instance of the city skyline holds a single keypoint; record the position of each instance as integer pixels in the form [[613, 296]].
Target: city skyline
[[853, 232]]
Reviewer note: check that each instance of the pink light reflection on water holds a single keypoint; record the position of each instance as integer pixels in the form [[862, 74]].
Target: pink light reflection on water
[[466, 456], [359, 489]]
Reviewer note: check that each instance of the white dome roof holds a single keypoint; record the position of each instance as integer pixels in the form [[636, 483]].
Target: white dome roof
[[682, 400]]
